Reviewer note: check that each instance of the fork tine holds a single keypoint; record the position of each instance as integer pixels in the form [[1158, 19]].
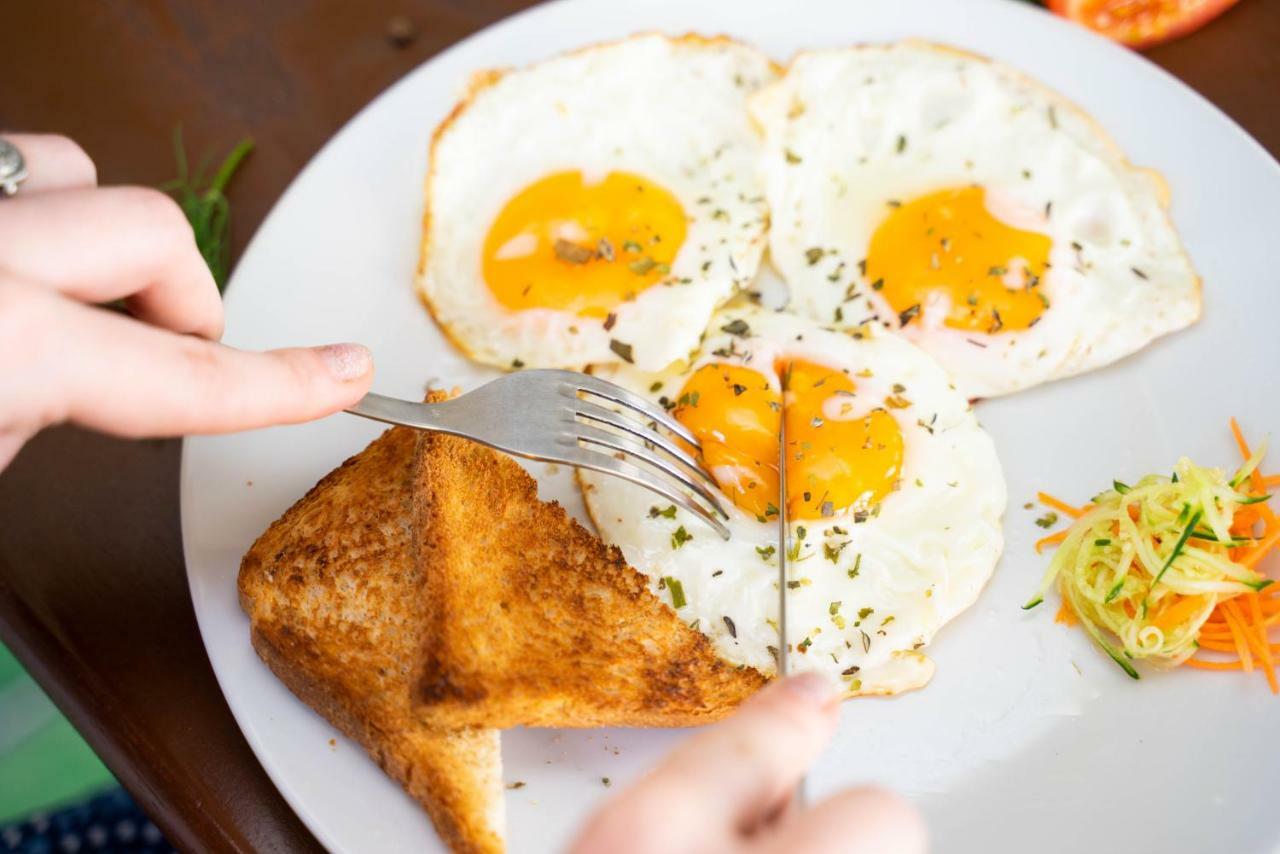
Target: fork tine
[[619, 395], [588, 458], [604, 415], [626, 445]]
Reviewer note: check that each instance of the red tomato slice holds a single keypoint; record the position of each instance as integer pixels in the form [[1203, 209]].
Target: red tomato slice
[[1141, 23]]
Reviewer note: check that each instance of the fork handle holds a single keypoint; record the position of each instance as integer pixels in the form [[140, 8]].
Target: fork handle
[[392, 410]]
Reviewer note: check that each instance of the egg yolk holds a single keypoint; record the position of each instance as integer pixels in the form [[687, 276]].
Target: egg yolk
[[947, 243], [736, 415], [835, 461], [566, 244]]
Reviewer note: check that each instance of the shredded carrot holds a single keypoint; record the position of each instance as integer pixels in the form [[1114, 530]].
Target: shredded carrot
[[1212, 665], [1066, 615], [1258, 636], [1176, 613], [1240, 624], [1051, 540], [1058, 504]]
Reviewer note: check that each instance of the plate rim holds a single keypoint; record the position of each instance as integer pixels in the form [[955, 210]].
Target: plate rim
[[242, 714]]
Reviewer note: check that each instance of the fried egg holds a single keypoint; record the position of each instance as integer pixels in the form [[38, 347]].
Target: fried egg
[[962, 204], [596, 207], [894, 496]]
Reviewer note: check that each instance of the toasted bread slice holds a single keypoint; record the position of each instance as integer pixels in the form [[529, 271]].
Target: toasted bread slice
[[531, 620], [334, 598]]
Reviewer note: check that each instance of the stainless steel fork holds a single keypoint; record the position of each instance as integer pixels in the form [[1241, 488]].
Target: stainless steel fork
[[553, 416]]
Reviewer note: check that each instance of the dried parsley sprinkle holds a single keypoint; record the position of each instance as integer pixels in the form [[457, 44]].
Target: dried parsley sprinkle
[[1048, 520], [666, 513], [813, 255], [737, 326], [766, 552], [901, 145], [680, 537], [834, 608], [572, 253], [677, 591], [857, 566], [517, 364], [642, 266], [728, 624], [631, 246], [792, 157], [622, 350], [656, 386]]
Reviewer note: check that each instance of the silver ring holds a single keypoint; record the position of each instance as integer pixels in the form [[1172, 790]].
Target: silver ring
[[13, 169]]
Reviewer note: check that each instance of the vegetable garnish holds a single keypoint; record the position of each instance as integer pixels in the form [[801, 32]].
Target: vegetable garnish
[[202, 200], [1166, 570]]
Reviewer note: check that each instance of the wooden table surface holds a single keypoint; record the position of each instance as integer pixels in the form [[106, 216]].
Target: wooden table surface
[[93, 593]]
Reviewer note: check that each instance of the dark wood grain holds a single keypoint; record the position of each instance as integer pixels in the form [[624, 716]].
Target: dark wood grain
[[93, 595]]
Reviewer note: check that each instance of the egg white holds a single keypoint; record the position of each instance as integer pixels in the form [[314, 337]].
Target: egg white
[[922, 558], [672, 110], [850, 131]]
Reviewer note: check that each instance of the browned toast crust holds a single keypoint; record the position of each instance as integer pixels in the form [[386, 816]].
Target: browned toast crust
[[334, 599], [531, 620]]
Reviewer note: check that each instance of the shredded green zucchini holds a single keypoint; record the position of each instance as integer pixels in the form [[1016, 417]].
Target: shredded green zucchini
[[1144, 549]]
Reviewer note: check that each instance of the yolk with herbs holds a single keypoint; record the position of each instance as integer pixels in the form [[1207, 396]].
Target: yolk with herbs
[[836, 461], [948, 243], [566, 244], [736, 415]]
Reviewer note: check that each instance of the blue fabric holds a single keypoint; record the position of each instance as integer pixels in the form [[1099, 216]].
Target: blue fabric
[[110, 823]]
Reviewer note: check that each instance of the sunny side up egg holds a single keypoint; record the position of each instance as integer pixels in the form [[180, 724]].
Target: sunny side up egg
[[971, 209], [598, 206], [894, 497]]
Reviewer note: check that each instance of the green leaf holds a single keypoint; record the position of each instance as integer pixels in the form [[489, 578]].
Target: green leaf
[[205, 205]]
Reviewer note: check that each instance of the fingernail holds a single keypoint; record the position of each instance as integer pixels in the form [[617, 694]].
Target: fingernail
[[811, 688], [346, 362]]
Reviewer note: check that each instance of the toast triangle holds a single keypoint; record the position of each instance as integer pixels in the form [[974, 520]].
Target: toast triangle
[[334, 599], [530, 620]]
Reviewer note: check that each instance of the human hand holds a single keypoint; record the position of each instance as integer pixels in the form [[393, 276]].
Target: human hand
[[728, 789], [66, 244]]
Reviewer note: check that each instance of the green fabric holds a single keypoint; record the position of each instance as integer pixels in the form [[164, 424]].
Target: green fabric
[[43, 761]]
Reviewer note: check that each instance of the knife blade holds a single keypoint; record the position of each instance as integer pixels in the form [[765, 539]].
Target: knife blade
[[784, 546], [783, 542]]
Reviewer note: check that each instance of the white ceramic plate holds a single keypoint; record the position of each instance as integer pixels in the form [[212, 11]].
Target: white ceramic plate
[[1027, 739]]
